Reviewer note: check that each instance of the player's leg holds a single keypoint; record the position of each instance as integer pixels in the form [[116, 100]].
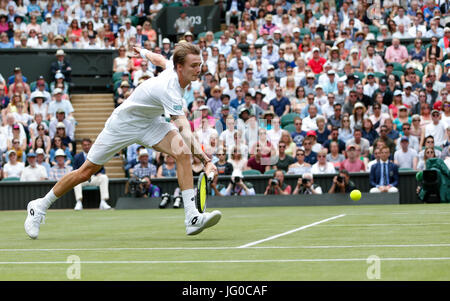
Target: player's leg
[[115, 136], [173, 145], [37, 209], [171, 141]]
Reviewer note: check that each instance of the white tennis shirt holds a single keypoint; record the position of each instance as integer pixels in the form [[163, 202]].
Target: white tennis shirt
[[154, 97]]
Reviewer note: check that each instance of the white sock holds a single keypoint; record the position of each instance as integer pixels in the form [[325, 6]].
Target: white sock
[[189, 203], [48, 200]]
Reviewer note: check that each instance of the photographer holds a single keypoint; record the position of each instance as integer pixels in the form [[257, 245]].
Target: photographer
[[305, 185], [342, 183], [236, 187], [141, 188], [277, 185]]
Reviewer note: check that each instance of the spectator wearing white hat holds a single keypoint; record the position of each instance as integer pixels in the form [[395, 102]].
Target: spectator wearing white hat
[[49, 26], [33, 172], [60, 169], [130, 30], [144, 168], [59, 103], [316, 62], [408, 98], [41, 159]]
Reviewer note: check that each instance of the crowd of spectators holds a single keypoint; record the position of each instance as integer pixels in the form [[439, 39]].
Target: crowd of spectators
[[315, 87], [37, 122], [303, 87]]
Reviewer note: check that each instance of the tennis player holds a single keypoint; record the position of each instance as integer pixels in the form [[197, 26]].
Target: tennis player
[[139, 120]]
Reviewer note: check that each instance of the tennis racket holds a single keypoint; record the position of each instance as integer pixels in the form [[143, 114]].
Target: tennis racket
[[203, 190]]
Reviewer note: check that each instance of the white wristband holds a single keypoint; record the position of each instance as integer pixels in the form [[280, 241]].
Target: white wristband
[[143, 53]]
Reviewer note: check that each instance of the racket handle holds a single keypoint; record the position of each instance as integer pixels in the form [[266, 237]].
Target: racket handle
[[211, 176]]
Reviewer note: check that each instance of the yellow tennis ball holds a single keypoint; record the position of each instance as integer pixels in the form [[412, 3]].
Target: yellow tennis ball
[[355, 195]]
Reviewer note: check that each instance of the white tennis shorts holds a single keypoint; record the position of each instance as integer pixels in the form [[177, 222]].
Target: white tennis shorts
[[119, 133]]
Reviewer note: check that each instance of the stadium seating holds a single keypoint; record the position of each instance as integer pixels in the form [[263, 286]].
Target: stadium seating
[[251, 172], [288, 119]]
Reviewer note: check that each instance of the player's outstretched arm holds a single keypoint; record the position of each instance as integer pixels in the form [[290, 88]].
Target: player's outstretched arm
[[155, 58], [184, 128]]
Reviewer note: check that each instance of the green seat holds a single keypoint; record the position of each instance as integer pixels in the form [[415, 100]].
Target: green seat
[[379, 74], [217, 35], [116, 76], [360, 75], [288, 119], [134, 20], [374, 29], [398, 73], [419, 73], [405, 169], [397, 66], [10, 179], [410, 47], [290, 128], [251, 172], [304, 31], [201, 35], [270, 172], [175, 4]]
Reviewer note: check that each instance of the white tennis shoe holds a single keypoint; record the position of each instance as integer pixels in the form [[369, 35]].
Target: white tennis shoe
[[34, 219], [202, 221]]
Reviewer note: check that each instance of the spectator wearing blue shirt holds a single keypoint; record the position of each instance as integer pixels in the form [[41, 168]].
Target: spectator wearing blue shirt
[[331, 85], [240, 99], [391, 133], [4, 41], [310, 155], [280, 104], [298, 135], [33, 8]]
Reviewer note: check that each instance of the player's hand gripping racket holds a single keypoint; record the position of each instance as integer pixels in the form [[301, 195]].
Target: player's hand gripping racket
[[202, 190]]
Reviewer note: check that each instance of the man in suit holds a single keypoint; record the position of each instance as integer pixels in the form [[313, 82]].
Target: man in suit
[[61, 65], [384, 174], [99, 179], [141, 10], [140, 38], [110, 7], [234, 8]]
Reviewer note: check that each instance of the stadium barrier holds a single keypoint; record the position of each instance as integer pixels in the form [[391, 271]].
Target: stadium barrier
[[16, 195], [91, 69], [271, 201]]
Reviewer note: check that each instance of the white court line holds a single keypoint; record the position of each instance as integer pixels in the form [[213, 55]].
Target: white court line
[[228, 248], [227, 261], [291, 231], [381, 225]]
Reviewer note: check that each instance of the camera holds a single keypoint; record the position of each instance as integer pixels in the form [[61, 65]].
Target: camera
[[274, 182], [305, 181], [135, 187], [237, 180], [340, 179]]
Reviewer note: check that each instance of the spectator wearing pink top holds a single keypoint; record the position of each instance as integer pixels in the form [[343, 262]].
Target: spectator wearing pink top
[[396, 53], [268, 27], [352, 163]]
